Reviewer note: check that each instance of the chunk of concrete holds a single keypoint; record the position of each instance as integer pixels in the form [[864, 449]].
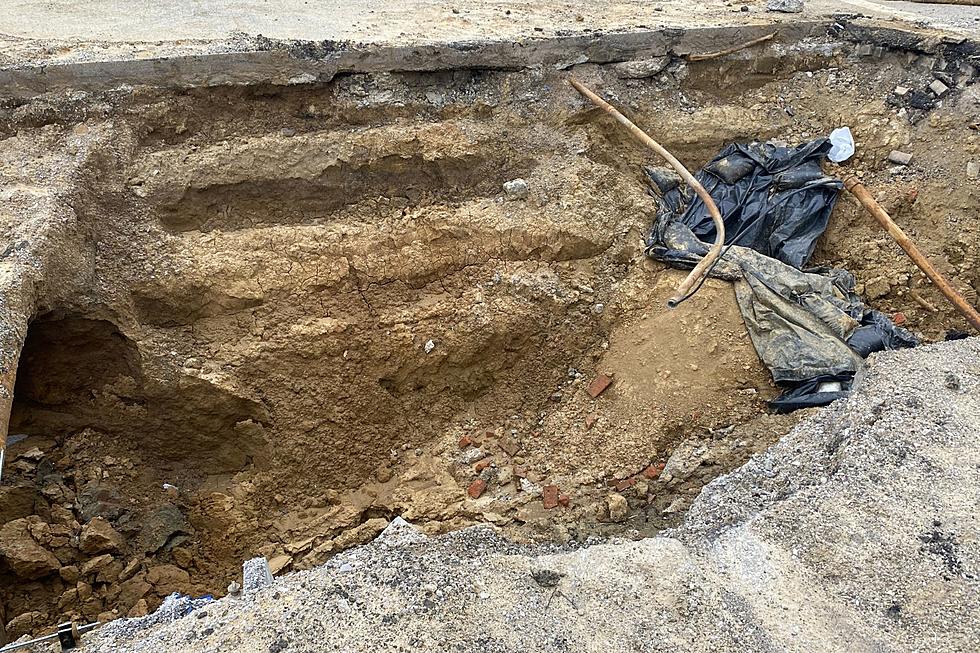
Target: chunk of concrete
[[256, 575], [516, 189]]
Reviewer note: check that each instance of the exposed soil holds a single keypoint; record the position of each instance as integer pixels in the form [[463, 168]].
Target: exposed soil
[[310, 309]]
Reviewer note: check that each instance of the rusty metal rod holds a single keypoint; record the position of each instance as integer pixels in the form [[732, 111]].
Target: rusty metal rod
[[701, 269], [859, 191], [731, 50]]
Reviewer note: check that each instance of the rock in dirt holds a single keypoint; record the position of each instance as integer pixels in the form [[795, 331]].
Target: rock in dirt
[[161, 526], [26, 557], [94, 565], [516, 189], [641, 68], [167, 579], [100, 501], [618, 507], [899, 157], [938, 88], [25, 623], [98, 536], [278, 563], [16, 502]]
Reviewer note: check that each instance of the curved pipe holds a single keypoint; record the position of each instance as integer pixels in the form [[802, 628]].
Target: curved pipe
[[701, 269]]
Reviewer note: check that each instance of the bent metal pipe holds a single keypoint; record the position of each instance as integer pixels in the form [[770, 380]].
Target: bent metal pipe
[[704, 266]]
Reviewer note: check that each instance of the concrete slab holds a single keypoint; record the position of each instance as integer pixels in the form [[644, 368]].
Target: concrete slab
[[36, 32]]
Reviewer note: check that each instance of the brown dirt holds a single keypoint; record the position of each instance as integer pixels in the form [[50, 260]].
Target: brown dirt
[[301, 300]]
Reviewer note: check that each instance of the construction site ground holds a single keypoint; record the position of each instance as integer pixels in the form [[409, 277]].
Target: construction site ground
[[274, 282]]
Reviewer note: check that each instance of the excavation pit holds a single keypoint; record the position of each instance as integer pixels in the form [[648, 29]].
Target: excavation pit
[[304, 310]]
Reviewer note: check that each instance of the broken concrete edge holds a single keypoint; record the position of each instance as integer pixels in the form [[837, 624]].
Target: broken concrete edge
[[259, 60], [276, 62]]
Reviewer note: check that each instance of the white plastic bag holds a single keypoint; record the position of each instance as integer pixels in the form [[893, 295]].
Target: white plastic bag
[[843, 145]]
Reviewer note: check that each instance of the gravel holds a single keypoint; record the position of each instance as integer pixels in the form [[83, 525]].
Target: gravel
[[857, 531]]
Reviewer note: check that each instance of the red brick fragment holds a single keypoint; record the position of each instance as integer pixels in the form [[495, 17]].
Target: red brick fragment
[[465, 441], [653, 471], [899, 318], [599, 385], [550, 496], [590, 420], [564, 500], [483, 464], [520, 471], [625, 484], [476, 488]]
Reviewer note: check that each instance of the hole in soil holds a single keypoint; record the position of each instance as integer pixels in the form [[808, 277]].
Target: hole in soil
[[302, 325]]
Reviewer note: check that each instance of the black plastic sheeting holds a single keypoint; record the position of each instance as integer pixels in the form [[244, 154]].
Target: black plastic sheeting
[[808, 326]]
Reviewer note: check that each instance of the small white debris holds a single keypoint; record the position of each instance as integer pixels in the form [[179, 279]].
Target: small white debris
[[531, 488], [470, 456], [842, 145], [429, 346], [938, 88]]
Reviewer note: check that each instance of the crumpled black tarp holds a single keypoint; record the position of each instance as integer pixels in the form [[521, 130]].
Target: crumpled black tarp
[[808, 326]]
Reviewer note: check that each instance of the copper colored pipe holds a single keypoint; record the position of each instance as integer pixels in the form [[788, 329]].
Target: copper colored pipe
[[859, 191], [706, 262]]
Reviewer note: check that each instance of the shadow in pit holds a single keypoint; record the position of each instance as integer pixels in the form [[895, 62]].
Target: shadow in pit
[[77, 373]]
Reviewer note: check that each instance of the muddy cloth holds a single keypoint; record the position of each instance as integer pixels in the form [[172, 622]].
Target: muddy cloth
[[808, 326]]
